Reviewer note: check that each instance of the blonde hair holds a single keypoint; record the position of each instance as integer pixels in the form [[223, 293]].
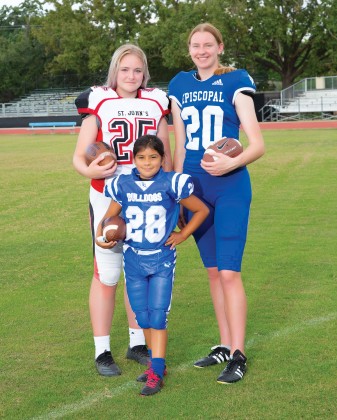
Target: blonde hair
[[208, 27], [120, 53]]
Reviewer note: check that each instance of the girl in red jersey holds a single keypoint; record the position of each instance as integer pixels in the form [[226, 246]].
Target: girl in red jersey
[[117, 113]]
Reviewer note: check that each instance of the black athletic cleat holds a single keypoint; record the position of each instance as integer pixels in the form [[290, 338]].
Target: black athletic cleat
[[235, 369], [153, 384], [144, 375], [217, 355], [139, 354], [106, 365]]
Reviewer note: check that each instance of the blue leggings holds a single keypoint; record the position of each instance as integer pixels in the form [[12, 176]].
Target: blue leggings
[[222, 237]]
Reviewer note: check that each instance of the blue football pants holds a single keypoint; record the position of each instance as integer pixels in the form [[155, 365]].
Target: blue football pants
[[149, 282], [222, 237]]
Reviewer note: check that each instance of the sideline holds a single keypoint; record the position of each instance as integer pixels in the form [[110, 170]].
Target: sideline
[[292, 125], [27, 130], [93, 399], [298, 125]]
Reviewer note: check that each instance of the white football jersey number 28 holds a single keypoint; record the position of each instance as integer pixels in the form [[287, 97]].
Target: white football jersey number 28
[[155, 223]]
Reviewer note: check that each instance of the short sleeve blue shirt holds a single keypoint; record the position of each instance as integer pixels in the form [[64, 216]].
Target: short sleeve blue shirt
[[207, 109], [150, 207]]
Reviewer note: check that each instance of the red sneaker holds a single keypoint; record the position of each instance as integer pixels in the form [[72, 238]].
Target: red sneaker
[[153, 385], [144, 375]]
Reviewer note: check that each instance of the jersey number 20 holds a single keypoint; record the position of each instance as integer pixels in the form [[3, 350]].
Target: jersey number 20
[[211, 117]]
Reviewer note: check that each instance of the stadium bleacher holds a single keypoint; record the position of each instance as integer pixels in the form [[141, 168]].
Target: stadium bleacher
[[42, 103], [45, 105], [311, 98]]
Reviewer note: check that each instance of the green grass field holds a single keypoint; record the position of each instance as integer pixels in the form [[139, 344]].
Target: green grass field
[[289, 271]]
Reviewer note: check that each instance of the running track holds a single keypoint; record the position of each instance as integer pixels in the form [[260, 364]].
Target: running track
[[294, 125]]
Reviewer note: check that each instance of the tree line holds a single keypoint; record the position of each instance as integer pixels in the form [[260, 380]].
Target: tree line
[[70, 42]]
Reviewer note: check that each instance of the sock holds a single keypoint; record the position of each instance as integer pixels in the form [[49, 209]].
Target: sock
[[102, 344], [136, 336], [226, 347], [150, 353], [158, 366]]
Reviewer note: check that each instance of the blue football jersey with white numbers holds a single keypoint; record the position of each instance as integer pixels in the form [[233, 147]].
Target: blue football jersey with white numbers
[[150, 208], [207, 109]]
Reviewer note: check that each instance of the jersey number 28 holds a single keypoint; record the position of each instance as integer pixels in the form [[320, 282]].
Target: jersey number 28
[[154, 219]]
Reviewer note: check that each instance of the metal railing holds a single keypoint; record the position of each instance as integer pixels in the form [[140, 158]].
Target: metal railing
[[314, 97], [49, 102], [307, 85], [35, 109], [41, 103]]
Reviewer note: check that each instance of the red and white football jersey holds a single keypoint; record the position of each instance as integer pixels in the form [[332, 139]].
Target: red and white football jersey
[[122, 120]]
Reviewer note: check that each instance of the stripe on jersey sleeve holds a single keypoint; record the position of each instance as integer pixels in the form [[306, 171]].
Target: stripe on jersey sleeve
[[111, 189], [178, 183]]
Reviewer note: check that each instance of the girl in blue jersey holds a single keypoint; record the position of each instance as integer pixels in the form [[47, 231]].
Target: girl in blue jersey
[[148, 200], [210, 103]]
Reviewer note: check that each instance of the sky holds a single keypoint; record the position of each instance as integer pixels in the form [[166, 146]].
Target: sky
[[10, 2]]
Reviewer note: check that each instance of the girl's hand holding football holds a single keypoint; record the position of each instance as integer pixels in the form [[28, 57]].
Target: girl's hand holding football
[[106, 245], [221, 166], [96, 171], [100, 240]]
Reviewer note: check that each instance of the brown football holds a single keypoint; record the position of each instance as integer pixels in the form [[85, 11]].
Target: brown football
[[227, 146], [114, 229], [96, 149]]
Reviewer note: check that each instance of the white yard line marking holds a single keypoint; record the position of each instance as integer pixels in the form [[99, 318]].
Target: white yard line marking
[[291, 330], [99, 396], [87, 402]]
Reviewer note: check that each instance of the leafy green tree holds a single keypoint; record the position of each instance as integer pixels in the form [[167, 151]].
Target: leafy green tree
[[323, 60], [274, 39], [164, 41], [122, 19], [21, 55], [80, 36], [285, 37], [70, 42]]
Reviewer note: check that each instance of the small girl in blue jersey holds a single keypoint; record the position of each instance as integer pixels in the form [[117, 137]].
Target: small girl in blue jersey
[[148, 200]]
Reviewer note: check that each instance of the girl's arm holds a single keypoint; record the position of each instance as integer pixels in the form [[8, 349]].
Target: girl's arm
[[113, 210], [179, 150], [245, 109], [244, 106], [200, 212], [180, 136], [87, 136], [163, 134]]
